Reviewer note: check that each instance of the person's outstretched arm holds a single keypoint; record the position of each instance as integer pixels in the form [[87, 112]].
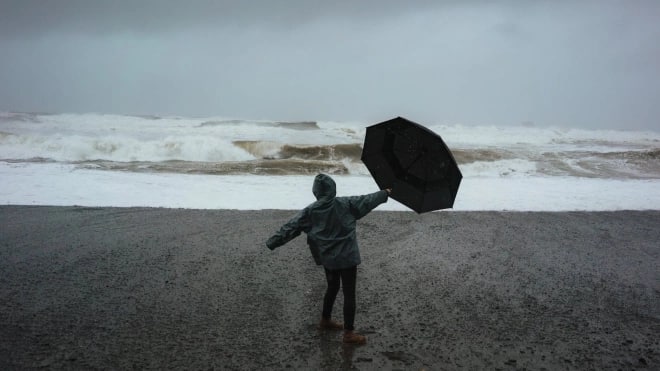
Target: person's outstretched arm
[[289, 231], [362, 205]]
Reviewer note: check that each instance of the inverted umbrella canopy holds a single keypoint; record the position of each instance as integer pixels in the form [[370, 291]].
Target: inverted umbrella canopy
[[414, 162]]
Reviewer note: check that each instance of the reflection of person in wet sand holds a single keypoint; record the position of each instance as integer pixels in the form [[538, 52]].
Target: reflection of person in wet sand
[[330, 227]]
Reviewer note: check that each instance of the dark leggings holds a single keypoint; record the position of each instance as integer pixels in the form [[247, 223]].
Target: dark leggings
[[346, 279]]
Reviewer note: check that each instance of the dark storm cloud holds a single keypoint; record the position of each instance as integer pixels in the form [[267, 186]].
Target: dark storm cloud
[[24, 18]]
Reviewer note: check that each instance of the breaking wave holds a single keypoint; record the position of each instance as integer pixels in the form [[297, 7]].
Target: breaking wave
[[332, 152], [294, 125], [231, 146], [256, 167]]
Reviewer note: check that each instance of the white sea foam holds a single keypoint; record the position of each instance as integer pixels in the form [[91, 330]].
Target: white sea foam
[[501, 168], [115, 160], [60, 184], [121, 148], [552, 137]]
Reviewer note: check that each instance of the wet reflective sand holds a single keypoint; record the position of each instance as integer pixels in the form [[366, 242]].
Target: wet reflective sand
[[117, 288]]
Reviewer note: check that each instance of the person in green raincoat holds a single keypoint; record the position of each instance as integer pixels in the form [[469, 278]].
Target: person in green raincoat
[[330, 227]]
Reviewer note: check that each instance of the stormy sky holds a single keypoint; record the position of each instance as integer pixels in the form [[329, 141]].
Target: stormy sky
[[591, 64]]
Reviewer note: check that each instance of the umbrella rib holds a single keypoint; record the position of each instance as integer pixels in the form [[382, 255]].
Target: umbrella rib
[[419, 155]]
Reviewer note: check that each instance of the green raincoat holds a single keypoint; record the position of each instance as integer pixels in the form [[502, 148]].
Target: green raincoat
[[329, 224]]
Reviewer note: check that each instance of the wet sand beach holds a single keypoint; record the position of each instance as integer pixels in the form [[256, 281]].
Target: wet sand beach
[[125, 288]]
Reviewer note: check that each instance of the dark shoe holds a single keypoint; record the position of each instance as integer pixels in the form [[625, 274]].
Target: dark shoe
[[351, 337], [328, 324]]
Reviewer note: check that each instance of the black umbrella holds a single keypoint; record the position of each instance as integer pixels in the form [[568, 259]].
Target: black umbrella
[[414, 162]]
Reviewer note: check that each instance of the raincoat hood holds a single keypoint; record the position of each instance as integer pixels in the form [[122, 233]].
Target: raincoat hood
[[324, 187]]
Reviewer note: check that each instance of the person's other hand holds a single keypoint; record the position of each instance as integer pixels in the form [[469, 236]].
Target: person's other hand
[[388, 190]]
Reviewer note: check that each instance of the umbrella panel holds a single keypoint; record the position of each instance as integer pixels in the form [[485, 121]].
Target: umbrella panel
[[423, 163], [422, 200]]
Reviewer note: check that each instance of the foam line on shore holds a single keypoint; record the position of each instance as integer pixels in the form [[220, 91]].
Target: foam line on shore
[[62, 185]]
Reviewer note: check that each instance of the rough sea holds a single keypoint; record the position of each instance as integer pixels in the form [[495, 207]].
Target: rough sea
[[215, 162]]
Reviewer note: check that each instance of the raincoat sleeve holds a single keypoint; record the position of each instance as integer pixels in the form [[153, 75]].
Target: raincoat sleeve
[[292, 229], [362, 205]]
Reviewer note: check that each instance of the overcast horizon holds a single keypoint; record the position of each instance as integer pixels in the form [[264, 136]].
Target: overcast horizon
[[585, 64]]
